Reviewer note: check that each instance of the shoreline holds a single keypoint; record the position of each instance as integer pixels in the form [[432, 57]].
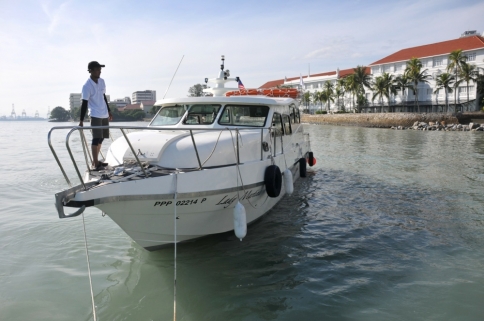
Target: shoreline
[[389, 120]]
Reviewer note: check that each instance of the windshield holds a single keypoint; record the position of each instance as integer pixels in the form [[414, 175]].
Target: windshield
[[238, 115], [201, 114], [169, 115]]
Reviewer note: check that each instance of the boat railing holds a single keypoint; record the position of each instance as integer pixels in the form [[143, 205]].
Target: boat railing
[[124, 129]]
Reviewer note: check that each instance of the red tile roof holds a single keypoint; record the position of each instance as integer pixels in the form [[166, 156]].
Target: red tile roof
[[342, 73], [130, 107], [148, 102], [434, 49]]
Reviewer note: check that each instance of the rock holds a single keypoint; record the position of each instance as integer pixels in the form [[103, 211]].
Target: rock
[[443, 123], [422, 124], [471, 125], [431, 123], [459, 126], [415, 124]]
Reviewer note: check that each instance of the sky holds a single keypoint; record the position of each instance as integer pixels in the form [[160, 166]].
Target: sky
[[46, 44]]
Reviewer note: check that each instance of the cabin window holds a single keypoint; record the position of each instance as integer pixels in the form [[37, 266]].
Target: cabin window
[[287, 124], [294, 115], [201, 114], [169, 115], [239, 115], [277, 124]]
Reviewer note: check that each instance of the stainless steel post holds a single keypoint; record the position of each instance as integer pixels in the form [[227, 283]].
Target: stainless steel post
[[132, 150], [196, 151]]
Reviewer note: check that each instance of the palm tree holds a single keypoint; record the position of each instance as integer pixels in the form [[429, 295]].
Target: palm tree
[[323, 96], [468, 72], [402, 83], [316, 98], [391, 86], [444, 81], [380, 88], [456, 60], [351, 87], [414, 73], [362, 80], [306, 98], [338, 92], [328, 89]]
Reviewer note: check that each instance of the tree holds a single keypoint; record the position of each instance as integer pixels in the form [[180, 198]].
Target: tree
[[468, 72], [379, 87], [456, 60], [328, 90], [338, 92], [414, 73], [59, 114], [391, 86], [444, 81], [197, 91], [316, 97], [306, 98], [75, 113], [362, 80], [402, 83], [351, 87], [154, 110]]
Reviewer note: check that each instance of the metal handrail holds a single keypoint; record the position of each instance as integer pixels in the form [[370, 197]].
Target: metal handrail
[[122, 128]]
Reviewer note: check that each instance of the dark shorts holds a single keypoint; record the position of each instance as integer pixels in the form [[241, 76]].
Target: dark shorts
[[100, 133]]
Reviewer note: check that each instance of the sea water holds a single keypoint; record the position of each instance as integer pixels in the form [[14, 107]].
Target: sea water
[[389, 225]]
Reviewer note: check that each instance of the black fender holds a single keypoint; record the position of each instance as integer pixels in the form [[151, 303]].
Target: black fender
[[302, 167], [273, 180]]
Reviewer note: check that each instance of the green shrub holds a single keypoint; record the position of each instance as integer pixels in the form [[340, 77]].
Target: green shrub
[[323, 112]]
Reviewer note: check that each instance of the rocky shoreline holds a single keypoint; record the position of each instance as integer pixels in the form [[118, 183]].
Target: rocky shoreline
[[443, 126], [429, 121]]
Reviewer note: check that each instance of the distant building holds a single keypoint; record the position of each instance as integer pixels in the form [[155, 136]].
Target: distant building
[[122, 102], [74, 101], [131, 107], [139, 96], [146, 105]]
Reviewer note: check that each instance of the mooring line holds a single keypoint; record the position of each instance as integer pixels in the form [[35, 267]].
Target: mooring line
[[89, 269], [174, 275]]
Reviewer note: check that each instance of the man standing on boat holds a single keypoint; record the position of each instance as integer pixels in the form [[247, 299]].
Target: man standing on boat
[[94, 96]]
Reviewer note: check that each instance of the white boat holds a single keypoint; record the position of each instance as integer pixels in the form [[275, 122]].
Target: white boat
[[197, 159]]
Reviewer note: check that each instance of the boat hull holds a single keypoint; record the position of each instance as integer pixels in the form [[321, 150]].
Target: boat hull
[[151, 222]]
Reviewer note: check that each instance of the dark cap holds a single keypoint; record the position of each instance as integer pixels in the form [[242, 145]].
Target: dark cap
[[94, 64]]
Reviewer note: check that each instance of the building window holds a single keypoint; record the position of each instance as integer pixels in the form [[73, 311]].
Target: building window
[[437, 62], [471, 56], [429, 91], [462, 90], [375, 70]]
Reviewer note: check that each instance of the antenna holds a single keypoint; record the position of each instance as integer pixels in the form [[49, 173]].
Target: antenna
[[173, 76]]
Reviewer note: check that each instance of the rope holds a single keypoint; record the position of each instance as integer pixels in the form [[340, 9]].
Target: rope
[[89, 269], [174, 277]]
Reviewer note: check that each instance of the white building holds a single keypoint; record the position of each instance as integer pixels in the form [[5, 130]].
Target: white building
[[74, 101], [122, 102], [139, 96], [434, 58]]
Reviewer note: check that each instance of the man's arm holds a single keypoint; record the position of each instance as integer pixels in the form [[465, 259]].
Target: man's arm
[[83, 112], [109, 110]]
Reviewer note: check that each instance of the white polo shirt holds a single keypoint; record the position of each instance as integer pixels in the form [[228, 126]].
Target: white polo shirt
[[94, 94]]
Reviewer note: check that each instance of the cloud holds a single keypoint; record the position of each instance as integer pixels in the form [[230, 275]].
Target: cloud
[[55, 15]]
